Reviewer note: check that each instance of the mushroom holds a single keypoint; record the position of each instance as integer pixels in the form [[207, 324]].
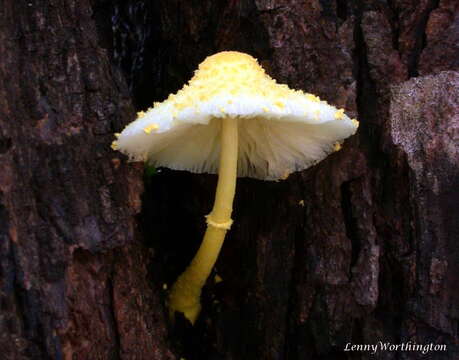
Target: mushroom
[[234, 120]]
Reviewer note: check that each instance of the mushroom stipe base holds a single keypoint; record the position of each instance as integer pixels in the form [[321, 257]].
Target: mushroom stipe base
[[186, 292]]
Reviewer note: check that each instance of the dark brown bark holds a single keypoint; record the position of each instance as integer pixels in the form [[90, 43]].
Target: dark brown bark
[[358, 249], [74, 280]]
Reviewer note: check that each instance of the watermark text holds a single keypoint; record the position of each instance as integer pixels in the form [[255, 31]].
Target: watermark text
[[388, 346]]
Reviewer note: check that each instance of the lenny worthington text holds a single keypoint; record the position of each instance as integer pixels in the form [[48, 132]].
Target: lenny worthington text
[[387, 346]]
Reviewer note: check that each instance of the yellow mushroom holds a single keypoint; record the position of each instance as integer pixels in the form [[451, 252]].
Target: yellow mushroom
[[251, 138]]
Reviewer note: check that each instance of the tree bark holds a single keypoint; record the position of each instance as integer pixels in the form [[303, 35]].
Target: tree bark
[[360, 249], [74, 280]]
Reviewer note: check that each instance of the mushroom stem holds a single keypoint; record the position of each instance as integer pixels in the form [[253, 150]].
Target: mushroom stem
[[186, 292]]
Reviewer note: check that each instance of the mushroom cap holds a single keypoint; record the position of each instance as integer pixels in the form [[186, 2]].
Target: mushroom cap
[[280, 130]]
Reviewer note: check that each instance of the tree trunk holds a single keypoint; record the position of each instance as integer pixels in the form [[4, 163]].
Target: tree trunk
[[74, 277], [360, 249]]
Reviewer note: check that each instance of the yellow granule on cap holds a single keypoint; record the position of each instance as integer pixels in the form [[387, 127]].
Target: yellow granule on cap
[[150, 128], [339, 114]]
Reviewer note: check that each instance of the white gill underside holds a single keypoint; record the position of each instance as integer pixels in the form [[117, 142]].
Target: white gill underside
[[267, 150]]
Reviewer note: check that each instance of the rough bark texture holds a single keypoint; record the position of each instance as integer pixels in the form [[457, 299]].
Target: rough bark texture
[[425, 128], [74, 281], [358, 249]]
